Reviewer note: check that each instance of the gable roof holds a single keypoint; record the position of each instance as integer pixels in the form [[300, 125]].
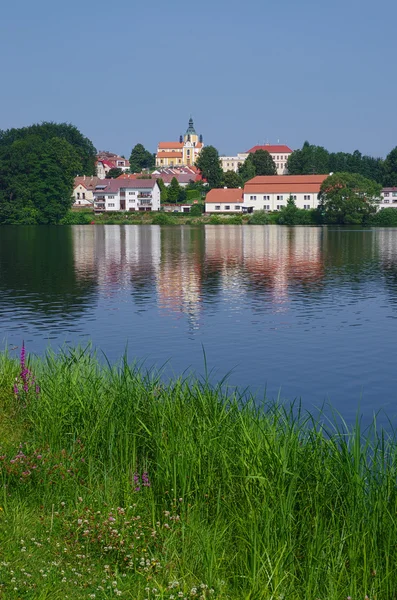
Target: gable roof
[[272, 149], [228, 195], [172, 145], [284, 184], [88, 182], [112, 186]]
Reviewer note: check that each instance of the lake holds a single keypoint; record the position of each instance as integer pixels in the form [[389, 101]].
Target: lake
[[303, 312]]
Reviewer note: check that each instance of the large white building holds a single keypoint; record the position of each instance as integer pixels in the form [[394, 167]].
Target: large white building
[[269, 193], [127, 195], [388, 198], [278, 152]]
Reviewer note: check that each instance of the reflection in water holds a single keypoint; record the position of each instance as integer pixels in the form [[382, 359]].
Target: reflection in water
[[308, 308]]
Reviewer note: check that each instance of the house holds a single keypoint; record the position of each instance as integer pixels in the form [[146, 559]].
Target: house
[[184, 152], [388, 198], [227, 200], [272, 192], [278, 152], [83, 190], [184, 175], [108, 160], [127, 195]]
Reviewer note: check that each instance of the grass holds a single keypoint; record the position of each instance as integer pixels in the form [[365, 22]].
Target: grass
[[115, 483]]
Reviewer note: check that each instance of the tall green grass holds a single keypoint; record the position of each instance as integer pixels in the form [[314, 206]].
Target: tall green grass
[[270, 503]]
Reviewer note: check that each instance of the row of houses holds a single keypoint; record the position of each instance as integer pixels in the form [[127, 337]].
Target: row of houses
[[271, 193]]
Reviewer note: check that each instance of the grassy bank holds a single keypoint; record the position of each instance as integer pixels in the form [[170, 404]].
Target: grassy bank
[[115, 484]]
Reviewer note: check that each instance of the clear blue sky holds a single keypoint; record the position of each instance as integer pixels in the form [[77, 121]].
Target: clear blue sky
[[248, 71]]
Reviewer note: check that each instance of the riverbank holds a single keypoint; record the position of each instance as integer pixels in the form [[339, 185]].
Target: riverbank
[[115, 484]]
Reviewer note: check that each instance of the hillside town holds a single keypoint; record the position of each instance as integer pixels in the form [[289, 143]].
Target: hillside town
[[176, 160]]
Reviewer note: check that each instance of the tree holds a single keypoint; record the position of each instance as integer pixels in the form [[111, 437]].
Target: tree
[[231, 179], [348, 198], [163, 190], [36, 180], [390, 169], [209, 164], [84, 148], [310, 160], [263, 163], [289, 213], [173, 191], [114, 173], [247, 170], [141, 159]]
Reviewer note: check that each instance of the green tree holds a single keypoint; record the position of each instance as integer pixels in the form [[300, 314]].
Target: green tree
[[263, 163], [209, 164], [348, 198], [84, 148], [197, 209], [114, 173], [173, 191], [163, 190], [390, 169], [231, 179], [247, 170], [36, 180], [310, 160], [141, 159], [289, 214]]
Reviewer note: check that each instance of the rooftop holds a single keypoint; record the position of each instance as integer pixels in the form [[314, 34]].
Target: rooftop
[[272, 149], [225, 195]]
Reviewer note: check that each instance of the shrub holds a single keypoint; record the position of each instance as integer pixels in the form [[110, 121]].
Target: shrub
[[386, 217], [259, 217], [197, 210], [77, 218], [163, 219]]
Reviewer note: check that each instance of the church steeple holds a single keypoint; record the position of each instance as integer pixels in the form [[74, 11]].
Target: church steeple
[[190, 130]]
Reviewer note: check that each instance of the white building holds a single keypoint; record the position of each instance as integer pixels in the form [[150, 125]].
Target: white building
[[272, 192], [269, 193], [127, 195], [278, 152], [226, 200], [388, 198], [83, 190]]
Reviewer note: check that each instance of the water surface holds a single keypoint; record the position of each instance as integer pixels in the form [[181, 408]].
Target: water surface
[[304, 312]]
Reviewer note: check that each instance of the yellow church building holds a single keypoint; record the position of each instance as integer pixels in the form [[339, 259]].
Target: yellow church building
[[182, 153]]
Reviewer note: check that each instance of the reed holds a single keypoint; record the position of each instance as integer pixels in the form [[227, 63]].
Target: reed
[[185, 488]]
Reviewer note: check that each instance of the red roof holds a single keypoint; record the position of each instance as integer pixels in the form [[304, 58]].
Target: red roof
[[222, 195], [284, 184], [275, 149], [172, 145], [169, 155]]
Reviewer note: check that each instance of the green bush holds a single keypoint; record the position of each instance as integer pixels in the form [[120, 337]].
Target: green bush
[[259, 217], [77, 218], [386, 217], [192, 195], [163, 219], [197, 210]]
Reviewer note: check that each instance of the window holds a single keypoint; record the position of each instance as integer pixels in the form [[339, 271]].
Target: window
[[278, 206], [110, 204], [306, 206], [131, 200], [266, 207], [294, 197], [83, 196], [394, 194], [131, 193], [386, 200], [252, 197], [266, 198], [217, 207], [386, 194], [237, 208], [278, 158], [111, 198], [227, 207], [306, 197], [280, 197]]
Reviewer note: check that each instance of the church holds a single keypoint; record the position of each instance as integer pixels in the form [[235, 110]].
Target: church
[[183, 153]]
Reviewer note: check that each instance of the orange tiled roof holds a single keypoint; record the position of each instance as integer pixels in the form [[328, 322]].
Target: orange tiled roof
[[171, 145], [284, 184], [232, 195], [273, 149], [169, 155]]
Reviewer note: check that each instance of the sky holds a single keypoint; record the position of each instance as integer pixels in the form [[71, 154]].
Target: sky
[[247, 72]]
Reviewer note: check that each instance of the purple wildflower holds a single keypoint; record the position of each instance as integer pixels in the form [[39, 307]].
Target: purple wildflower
[[145, 479]]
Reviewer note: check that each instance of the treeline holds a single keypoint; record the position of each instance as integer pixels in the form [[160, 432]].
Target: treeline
[[37, 169], [311, 159]]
